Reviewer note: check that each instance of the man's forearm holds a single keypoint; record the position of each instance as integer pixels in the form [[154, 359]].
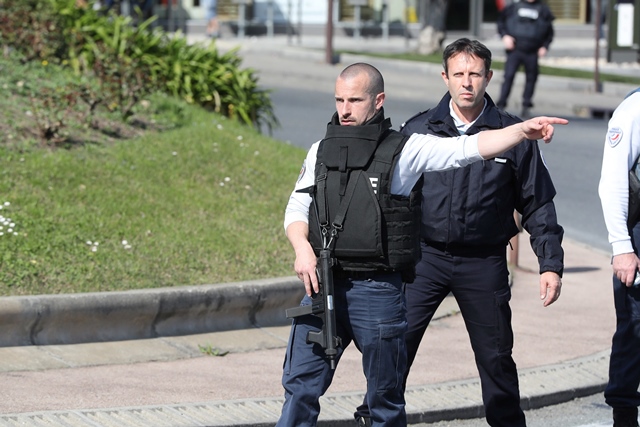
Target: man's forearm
[[492, 143]]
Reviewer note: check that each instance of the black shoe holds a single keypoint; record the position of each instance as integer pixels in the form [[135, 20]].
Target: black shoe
[[625, 417], [363, 422]]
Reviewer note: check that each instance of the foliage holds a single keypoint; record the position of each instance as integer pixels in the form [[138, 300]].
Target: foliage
[[212, 351], [44, 104], [131, 61]]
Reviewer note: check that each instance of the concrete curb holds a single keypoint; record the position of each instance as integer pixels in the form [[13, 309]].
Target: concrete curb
[[152, 313], [462, 399]]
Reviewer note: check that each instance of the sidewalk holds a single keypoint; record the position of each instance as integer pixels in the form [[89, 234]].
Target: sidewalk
[[561, 351]]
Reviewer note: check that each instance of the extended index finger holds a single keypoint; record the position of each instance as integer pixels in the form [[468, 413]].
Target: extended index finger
[[554, 120]]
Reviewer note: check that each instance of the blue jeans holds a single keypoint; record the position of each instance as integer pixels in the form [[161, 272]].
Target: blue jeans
[[624, 364], [372, 314]]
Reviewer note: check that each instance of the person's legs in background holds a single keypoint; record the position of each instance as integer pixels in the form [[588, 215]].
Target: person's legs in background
[[510, 69], [531, 69], [211, 15]]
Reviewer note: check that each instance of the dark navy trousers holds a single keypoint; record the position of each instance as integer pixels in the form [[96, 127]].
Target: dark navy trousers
[[515, 58], [624, 364], [372, 314], [479, 281]]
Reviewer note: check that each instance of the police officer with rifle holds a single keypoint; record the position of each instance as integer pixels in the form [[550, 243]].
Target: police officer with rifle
[[356, 221]]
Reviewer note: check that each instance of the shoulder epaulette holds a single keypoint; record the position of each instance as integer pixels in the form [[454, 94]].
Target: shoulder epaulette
[[413, 117]]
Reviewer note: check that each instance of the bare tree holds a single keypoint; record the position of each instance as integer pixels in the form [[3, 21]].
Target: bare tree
[[433, 17]]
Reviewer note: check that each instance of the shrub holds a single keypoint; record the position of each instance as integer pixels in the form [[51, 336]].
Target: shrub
[[131, 61]]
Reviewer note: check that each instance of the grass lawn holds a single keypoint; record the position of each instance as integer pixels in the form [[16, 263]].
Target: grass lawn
[[177, 196]]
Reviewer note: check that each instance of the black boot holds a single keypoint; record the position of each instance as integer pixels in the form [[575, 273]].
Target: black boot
[[625, 417]]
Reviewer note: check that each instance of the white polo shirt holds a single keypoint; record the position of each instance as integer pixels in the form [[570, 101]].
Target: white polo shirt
[[621, 149]]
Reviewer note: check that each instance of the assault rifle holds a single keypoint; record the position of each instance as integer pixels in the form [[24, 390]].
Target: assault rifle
[[322, 305]]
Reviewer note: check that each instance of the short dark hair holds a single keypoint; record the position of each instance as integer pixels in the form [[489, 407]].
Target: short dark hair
[[470, 47], [376, 82]]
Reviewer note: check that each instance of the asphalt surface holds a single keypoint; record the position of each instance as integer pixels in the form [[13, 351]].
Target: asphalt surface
[[232, 378]]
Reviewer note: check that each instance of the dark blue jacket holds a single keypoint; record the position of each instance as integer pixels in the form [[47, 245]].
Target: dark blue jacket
[[472, 207], [529, 23]]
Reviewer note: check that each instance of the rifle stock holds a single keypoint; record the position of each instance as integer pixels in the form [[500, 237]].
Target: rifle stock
[[322, 305]]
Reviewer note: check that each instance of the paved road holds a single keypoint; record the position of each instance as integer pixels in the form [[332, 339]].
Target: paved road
[[303, 101]]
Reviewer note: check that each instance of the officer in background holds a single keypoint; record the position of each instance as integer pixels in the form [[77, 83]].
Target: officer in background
[[369, 305], [526, 28], [621, 152], [467, 222]]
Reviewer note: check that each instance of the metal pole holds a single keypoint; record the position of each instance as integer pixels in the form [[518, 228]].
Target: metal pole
[[270, 19], [241, 19], [407, 34], [596, 70], [385, 20], [289, 22], [476, 16], [299, 21], [356, 30], [172, 25], [329, 34]]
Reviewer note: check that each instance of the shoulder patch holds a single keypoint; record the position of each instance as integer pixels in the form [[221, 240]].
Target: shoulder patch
[[614, 135], [302, 171]]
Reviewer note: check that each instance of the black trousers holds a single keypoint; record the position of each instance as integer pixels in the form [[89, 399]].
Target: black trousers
[[624, 364], [515, 58], [479, 280]]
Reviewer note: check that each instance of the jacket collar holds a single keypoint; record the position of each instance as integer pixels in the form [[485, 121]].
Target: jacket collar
[[440, 120]]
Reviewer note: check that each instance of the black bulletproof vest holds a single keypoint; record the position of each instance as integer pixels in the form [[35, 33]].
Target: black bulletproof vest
[[526, 23], [353, 209]]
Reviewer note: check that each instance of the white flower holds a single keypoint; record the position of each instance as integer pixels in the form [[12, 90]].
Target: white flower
[[222, 184], [94, 248], [89, 242], [239, 138], [175, 153], [10, 230], [227, 179], [12, 224], [127, 246], [124, 242], [7, 203], [219, 126], [256, 153]]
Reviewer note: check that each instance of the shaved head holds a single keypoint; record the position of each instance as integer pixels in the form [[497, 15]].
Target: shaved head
[[375, 81]]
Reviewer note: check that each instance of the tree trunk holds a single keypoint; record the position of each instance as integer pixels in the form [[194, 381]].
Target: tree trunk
[[433, 16]]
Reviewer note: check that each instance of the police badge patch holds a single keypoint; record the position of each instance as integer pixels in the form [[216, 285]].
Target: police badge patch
[[302, 171], [614, 135]]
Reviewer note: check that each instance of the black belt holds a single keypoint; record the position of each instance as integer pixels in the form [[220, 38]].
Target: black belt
[[359, 274], [462, 249]]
